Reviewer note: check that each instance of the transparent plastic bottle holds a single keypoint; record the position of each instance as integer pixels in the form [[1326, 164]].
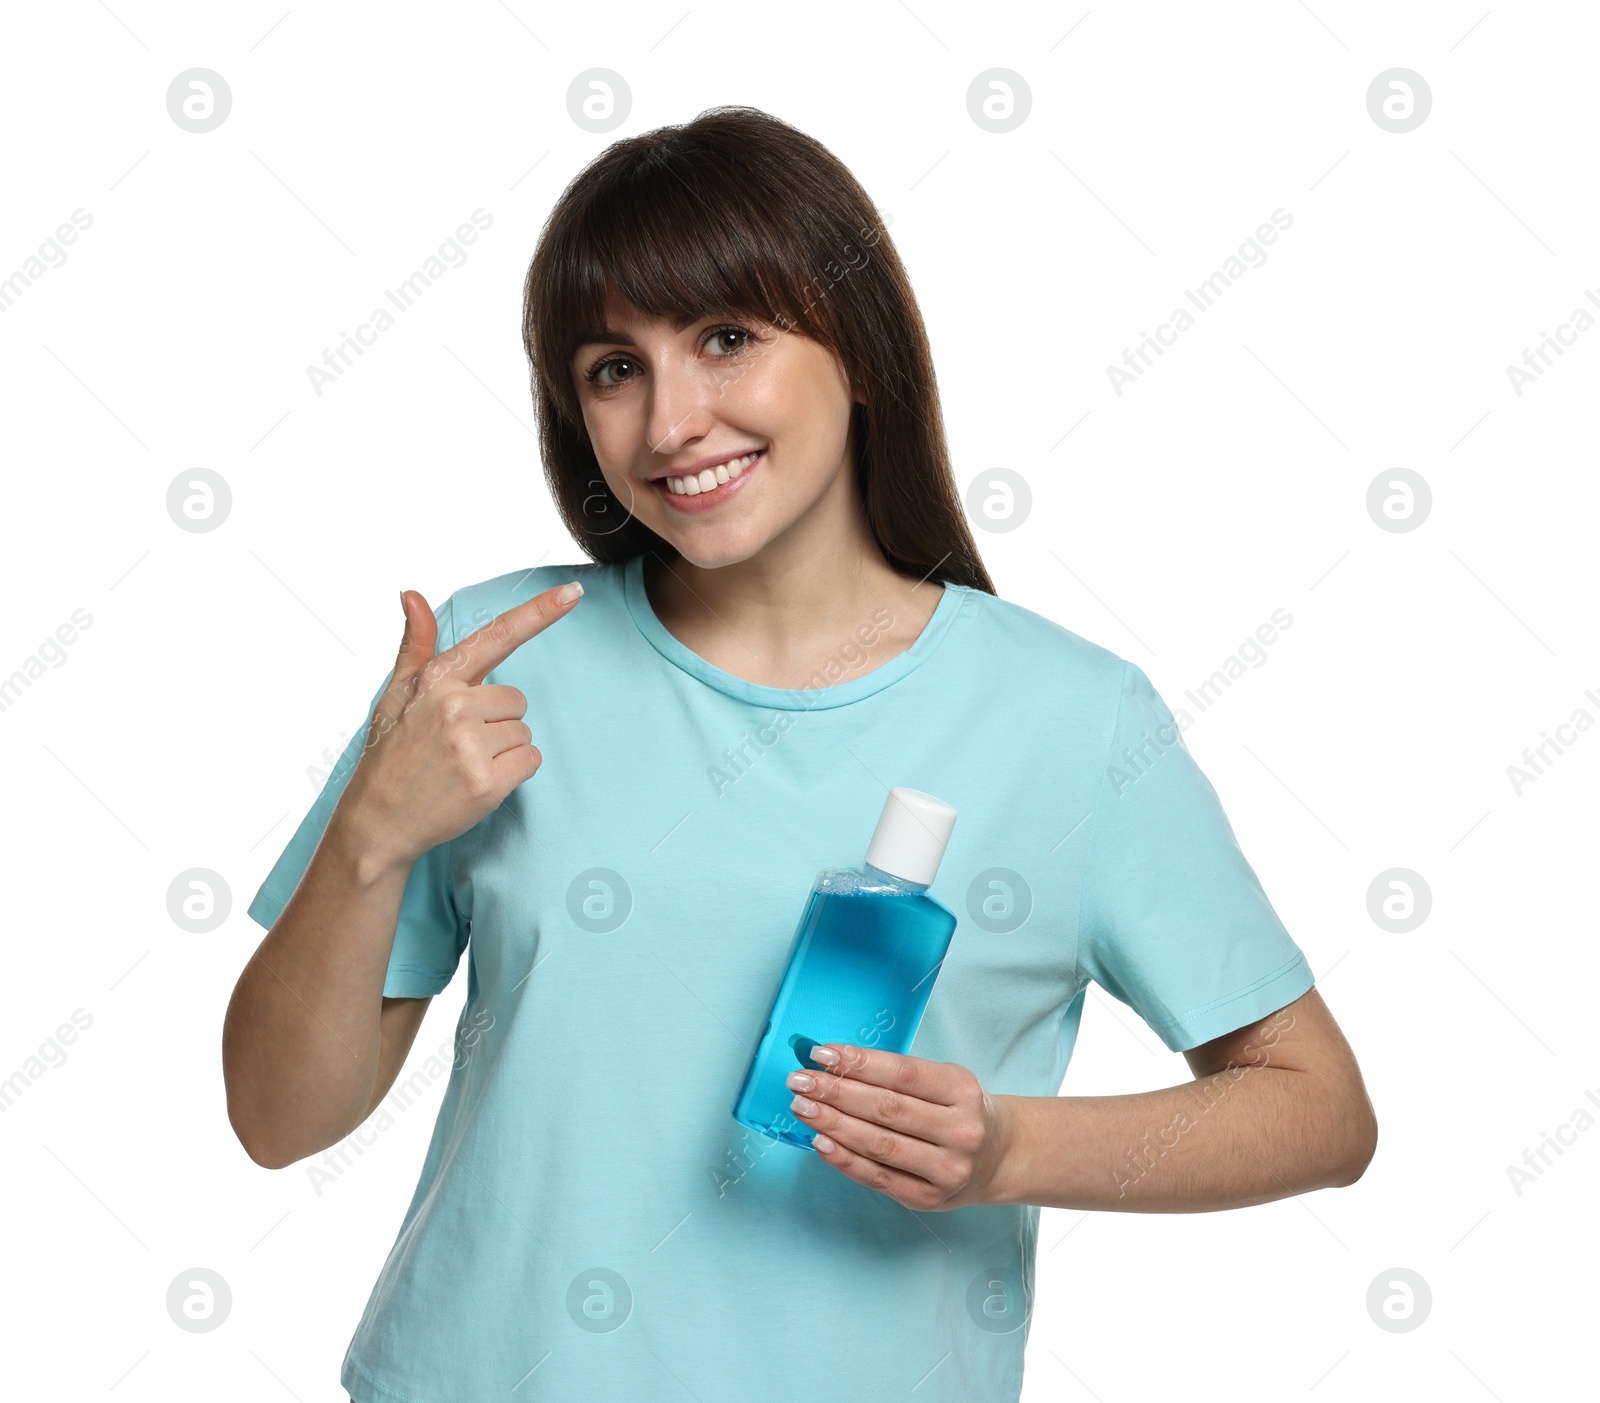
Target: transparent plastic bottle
[[862, 962]]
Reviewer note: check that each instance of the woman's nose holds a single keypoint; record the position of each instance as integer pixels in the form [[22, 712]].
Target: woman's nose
[[681, 401]]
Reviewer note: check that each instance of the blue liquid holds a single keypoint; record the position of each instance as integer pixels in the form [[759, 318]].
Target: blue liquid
[[861, 966]]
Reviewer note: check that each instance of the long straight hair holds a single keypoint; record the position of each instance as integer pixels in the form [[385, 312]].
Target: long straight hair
[[740, 213]]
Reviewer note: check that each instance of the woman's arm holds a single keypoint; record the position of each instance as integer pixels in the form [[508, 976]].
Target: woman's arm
[[1275, 1109], [309, 1044]]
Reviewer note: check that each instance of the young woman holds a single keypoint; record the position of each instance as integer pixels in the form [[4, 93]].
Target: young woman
[[615, 804]]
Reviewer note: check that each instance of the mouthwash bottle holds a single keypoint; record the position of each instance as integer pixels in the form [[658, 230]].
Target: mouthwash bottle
[[862, 963]]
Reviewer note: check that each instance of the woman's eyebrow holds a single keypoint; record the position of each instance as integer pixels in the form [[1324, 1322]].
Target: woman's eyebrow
[[610, 335]]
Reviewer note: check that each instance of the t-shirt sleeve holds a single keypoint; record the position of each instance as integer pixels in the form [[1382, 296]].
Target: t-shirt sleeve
[[431, 933], [1173, 920]]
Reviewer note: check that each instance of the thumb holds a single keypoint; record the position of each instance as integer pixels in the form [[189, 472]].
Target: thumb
[[420, 636]]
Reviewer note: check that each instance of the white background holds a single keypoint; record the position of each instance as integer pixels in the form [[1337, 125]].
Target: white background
[[1167, 524]]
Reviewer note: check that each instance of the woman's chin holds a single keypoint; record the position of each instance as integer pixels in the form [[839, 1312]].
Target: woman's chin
[[714, 546]]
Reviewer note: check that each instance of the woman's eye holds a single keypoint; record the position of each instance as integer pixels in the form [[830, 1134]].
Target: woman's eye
[[597, 375], [716, 338]]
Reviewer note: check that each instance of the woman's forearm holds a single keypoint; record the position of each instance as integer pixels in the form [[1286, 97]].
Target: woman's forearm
[[1245, 1135], [303, 1038]]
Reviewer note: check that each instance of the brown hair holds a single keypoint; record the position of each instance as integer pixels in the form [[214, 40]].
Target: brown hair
[[738, 212]]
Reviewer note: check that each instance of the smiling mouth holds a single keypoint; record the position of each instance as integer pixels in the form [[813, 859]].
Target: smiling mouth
[[711, 486], [709, 479]]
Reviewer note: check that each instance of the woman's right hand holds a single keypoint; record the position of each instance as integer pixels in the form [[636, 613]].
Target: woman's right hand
[[443, 749]]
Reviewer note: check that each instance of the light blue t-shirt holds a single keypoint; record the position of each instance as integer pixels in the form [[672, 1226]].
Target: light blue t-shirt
[[591, 1222]]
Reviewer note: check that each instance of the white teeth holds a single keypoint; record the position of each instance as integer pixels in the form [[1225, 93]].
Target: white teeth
[[710, 478]]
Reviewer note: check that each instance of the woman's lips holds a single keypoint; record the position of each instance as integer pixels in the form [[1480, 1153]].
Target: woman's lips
[[709, 501]]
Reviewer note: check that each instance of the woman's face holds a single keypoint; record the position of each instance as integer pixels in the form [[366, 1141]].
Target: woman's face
[[666, 406]]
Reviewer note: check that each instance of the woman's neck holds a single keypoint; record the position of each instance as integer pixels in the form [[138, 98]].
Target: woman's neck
[[784, 615]]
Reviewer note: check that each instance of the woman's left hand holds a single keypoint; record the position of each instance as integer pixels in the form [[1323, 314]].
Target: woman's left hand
[[924, 1133]]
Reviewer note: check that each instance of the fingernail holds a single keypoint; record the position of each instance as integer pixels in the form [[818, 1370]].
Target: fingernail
[[800, 1081], [802, 1107], [567, 593], [825, 1055], [821, 1142]]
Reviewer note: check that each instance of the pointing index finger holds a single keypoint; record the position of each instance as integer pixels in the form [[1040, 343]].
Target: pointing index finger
[[477, 655]]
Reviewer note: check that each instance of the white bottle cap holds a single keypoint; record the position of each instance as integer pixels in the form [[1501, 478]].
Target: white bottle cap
[[911, 835]]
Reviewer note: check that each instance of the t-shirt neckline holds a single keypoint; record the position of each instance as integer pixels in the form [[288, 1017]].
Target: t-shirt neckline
[[842, 693]]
